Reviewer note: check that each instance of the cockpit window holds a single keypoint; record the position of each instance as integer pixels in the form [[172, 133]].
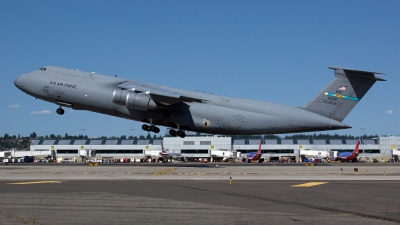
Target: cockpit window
[[43, 68]]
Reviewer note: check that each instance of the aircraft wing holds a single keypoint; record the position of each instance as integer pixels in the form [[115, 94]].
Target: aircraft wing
[[159, 94]]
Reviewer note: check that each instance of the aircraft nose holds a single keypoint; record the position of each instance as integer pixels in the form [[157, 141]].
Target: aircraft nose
[[19, 83]]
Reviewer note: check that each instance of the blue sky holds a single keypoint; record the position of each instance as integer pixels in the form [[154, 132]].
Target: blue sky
[[274, 51]]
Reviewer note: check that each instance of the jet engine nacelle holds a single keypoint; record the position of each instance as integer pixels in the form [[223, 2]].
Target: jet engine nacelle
[[133, 100]]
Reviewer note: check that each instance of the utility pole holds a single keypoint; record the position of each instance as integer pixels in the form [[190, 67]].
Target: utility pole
[[83, 133], [132, 133], [362, 134]]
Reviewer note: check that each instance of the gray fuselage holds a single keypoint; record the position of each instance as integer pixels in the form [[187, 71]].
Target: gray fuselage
[[200, 112]]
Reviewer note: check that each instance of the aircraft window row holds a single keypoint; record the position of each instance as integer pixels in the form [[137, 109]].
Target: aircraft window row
[[119, 151], [343, 150], [205, 142], [191, 151], [67, 151], [360, 151]]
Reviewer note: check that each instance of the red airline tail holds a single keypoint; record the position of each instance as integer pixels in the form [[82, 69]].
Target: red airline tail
[[259, 148], [357, 147]]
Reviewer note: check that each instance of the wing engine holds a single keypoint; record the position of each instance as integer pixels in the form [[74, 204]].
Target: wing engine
[[138, 101]]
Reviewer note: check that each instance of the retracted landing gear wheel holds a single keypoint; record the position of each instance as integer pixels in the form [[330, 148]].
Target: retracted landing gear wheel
[[60, 111]]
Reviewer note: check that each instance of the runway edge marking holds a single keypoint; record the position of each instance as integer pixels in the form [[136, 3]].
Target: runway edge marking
[[39, 182]]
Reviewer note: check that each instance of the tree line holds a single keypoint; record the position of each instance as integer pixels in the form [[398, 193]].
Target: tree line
[[8, 141]]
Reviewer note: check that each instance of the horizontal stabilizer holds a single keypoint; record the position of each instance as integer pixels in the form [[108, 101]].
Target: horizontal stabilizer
[[366, 74]]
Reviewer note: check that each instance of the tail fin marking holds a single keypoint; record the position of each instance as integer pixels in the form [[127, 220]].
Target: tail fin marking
[[340, 96]]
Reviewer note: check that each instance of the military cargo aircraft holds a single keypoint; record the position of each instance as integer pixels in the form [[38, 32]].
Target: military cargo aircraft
[[182, 110]]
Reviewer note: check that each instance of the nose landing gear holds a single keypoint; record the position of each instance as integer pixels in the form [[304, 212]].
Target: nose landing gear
[[60, 111]]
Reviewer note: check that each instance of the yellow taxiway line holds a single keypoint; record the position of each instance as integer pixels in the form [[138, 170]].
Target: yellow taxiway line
[[309, 184], [164, 171]]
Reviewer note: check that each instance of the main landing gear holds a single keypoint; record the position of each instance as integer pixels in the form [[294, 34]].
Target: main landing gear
[[60, 111], [177, 133], [155, 129], [151, 128]]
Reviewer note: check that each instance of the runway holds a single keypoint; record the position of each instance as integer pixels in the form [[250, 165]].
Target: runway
[[196, 171], [198, 195]]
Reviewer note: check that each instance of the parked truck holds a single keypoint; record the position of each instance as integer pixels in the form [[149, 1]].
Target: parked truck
[[5, 154], [29, 159]]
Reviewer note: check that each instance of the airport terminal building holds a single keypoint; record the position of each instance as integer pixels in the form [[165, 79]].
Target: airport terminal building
[[212, 148]]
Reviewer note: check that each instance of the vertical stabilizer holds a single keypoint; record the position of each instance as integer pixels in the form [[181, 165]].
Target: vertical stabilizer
[[340, 96], [259, 148], [356, 150]]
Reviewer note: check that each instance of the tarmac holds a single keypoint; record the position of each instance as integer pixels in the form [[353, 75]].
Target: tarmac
[[193, 193]]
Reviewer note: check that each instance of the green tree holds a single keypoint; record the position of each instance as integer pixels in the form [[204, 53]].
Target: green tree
[[33, 135]]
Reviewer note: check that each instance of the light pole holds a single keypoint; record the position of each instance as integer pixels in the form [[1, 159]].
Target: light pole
[[362, 134], [83, 133], [132, 133]]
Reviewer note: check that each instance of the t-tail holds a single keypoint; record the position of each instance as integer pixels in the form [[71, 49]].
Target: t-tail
[[340, 96]]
